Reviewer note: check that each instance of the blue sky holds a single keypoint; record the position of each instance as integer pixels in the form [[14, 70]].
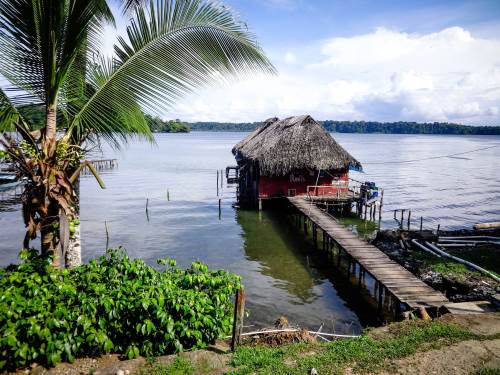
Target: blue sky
[[285, 22]]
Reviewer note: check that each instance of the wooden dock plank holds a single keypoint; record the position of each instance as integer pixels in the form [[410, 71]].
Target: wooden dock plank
[[400, 282]]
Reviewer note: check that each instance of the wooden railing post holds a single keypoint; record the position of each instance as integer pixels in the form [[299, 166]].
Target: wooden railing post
[[239, 312]]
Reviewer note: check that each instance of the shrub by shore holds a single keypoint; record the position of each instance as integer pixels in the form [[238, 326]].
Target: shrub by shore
[[112, 304]]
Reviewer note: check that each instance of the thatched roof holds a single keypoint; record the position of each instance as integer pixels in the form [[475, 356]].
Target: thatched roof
[[281, 146]]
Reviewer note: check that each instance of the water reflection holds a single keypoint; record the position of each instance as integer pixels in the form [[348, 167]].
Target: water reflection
[[282, 255]]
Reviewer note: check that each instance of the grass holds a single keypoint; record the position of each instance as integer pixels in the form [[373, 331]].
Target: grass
[[486, 256], [488, 371], [364, 354], [369, 353], [444, 266]]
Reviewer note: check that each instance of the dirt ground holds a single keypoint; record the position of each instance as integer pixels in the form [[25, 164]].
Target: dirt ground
[[463, 358]]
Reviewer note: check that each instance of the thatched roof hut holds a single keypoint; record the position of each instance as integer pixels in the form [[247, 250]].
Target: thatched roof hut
[[282, 146]]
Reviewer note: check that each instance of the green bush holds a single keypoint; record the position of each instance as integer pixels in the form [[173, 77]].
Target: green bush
[[112, 304]]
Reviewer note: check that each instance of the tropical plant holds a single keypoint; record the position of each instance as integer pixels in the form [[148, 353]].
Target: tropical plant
[[113, 303], [49, 53]]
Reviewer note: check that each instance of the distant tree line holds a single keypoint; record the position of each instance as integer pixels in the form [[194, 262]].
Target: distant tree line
[[400, 127], [224, 126], [157, 125], [36, 115]]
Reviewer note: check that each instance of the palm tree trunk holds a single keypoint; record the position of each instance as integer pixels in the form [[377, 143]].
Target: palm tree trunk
[[49, 234], [50, 130], [49, 223], [73, 254]]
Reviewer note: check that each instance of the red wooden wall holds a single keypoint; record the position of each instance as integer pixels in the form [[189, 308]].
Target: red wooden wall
[[279, 185]]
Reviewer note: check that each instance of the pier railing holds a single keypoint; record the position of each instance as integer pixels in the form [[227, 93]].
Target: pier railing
[[338, 189]]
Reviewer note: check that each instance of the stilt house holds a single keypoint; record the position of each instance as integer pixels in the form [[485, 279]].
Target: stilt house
[[293, 156]]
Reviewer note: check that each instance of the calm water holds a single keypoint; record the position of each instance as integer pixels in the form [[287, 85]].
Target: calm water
[[281, 276]]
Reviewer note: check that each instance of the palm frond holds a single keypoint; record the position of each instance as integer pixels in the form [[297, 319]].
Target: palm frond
[[39, 40], [175, 47], [131, 5], [12, 120], [111, 122]]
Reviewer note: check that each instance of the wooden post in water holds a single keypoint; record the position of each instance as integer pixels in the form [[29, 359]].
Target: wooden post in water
[[239, 313], [381, 205], [360, 278], [220, 213], [315, 236], [107, 234], [409, 217], [421, 223], [217, 182], [402, 218], [168, 195], [437, 232]]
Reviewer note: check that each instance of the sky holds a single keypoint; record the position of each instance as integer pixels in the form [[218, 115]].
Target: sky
[[383, 60], [366, 60]]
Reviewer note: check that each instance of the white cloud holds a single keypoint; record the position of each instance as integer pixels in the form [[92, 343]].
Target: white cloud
[[290, 58], [385, 75]]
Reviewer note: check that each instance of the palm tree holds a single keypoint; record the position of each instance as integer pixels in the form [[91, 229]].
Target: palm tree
[[49, 54]]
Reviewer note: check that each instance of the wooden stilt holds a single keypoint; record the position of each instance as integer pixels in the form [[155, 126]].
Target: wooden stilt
[[381, 205], [380, 298], [360, 276], [239, 313]]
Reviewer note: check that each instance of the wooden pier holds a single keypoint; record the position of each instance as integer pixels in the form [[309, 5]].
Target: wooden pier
[[391, 279], [101, 165]]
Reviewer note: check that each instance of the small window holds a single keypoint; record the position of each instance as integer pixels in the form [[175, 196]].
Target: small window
[[292, 192]]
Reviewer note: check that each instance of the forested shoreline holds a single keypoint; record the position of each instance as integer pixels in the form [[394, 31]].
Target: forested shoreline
[[399, 127], [36, 115]]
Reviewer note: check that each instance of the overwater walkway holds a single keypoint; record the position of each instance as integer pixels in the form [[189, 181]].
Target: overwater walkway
[[391, 278]]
